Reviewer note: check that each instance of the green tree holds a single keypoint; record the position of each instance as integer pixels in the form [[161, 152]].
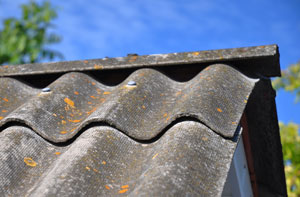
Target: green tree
[[290, 139], [24, 40]]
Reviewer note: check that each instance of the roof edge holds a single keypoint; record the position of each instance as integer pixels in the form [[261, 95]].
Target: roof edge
[[262, 60]]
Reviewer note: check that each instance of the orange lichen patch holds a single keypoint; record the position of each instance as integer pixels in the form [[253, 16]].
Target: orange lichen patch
[[90, 102], [89, 112], [161, 94], [62, 117], [207, 68], [155, 156], [219, 110], [5, 99], [123, 191], [88, 168], [96, 66], [234, 123], [72, 130], [54, 115], [1, 117], [124, 186], [102, 100], [69, 102], [165, 115], [95, 170], [57, 153], [196, 53], [4, 111], [85, 61], [143, 107], [63, 122], [63, 132], [106, 93], [4, 66], [29, 161], [178, 93], [103, 162], [76, 92], [204, 138], [133, 58], [93, 97], [75, 121], [107, 187], [245, 101]]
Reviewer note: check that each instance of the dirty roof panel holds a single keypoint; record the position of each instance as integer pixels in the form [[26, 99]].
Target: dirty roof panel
[[104, 162], [217, 97]]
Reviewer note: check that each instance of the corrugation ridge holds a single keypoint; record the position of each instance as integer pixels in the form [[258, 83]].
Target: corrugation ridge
[[121, 92]]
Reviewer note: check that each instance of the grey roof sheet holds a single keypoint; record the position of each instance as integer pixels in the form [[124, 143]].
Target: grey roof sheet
[[216, 96], [103, 161], [158, 137]]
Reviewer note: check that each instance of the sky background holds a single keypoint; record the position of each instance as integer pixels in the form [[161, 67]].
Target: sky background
[[113, 28]]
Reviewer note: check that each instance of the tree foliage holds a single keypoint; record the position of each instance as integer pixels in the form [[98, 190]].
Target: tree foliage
[[290, 80], [290, 140], [289, 133], [24, 40]]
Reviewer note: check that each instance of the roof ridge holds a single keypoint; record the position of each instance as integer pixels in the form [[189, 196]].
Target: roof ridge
[[263, 59]]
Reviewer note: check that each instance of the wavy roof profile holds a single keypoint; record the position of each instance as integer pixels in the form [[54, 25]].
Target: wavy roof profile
[[147, 135]]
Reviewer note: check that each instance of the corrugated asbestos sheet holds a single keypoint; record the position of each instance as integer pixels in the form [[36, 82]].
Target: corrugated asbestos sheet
[[147, 136]]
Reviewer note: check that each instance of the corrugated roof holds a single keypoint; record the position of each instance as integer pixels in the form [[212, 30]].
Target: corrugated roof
[[188, 159], [148, 135], [216, 96]]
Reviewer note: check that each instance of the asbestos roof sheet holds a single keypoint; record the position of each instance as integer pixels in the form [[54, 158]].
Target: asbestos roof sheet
[[147, 135]]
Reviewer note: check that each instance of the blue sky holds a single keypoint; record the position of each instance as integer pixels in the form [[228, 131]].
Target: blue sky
[[95, 29]]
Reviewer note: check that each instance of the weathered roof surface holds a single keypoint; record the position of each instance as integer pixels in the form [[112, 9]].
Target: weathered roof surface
[[189, 159], [150, 134], [217, 96]]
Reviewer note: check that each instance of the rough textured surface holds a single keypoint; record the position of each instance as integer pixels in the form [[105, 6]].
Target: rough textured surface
[[162, 125], [264, 60], [103, 161], [217, 96]]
